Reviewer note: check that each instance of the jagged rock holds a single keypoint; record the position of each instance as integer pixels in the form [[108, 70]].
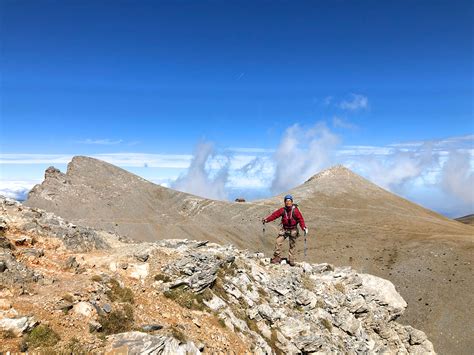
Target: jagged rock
[[215, 303], [64, 305], [84, 308], [33, 252], [200, 268], [143, 257], [107, 308], [417, 337], [232, 321], [347, 322], [309, 343], [310, 308], [54, 173], [17, 325], [94, 326], [71, 263], [23, 240], [14, 272], [290, 329], [3, 224], [142, 343], [5, 243], [306, 298], [31, 220], [268, 313], [138, 271], [383, 292]]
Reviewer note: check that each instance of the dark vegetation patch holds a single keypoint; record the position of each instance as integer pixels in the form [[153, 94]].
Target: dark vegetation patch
[[42, 336], [340, 287], [183, 296], [96, 278], [117, 321], [68, 297], [162, 277], [179, 335], [75, 347], [7, 334], [273, 342], [327, 324], [119, 293]]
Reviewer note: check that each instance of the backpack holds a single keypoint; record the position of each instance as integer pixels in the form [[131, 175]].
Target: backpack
[[295, 205]]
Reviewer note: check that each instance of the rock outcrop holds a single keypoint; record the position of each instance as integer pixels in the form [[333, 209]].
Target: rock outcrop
[[93, 291]]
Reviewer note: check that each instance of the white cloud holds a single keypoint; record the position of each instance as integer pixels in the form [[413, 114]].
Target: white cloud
[[256, 174], [199, 180], [302, 153], [396, 168], [17, 189], [356, 102], [457, 177], [422, 171]]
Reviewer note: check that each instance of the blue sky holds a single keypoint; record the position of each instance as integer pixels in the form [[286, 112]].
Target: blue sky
[[131, 81]]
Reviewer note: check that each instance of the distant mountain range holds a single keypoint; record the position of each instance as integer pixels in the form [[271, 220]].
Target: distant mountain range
[[468, 219]]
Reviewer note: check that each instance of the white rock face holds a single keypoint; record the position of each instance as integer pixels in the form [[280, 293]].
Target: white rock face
[[383, 292], [142, 343], [302, 309], [215, 303], [138, 271], [84, 308], [17, 325]]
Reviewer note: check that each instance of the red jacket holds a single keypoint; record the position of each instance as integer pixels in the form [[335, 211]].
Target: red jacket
[[288, 219]]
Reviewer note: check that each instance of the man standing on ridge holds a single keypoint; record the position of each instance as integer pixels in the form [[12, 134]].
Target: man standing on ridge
[[290, 217]]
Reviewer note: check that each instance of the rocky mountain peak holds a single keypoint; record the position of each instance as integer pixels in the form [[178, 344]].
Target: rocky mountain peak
[[54, 173], [336, 172], [102, 292]]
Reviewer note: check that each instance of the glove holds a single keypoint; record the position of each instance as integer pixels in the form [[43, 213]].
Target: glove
[[306, 230]]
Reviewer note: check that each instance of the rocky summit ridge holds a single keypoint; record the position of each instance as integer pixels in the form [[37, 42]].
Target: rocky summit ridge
[[68, 288]]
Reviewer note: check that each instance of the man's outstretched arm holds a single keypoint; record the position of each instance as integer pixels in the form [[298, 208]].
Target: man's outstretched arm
[[273, 216]]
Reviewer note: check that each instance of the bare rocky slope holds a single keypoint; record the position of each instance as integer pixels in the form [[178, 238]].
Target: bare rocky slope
[[352, 222], [72, 289]]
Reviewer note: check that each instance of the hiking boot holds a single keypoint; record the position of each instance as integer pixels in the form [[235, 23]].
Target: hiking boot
[[291, 263], [275, 260]]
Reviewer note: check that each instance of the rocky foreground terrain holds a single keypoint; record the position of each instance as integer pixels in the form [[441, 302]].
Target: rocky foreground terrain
[[72, 289]]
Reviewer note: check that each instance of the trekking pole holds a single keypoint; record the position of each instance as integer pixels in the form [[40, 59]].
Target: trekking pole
[[305, 247]]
